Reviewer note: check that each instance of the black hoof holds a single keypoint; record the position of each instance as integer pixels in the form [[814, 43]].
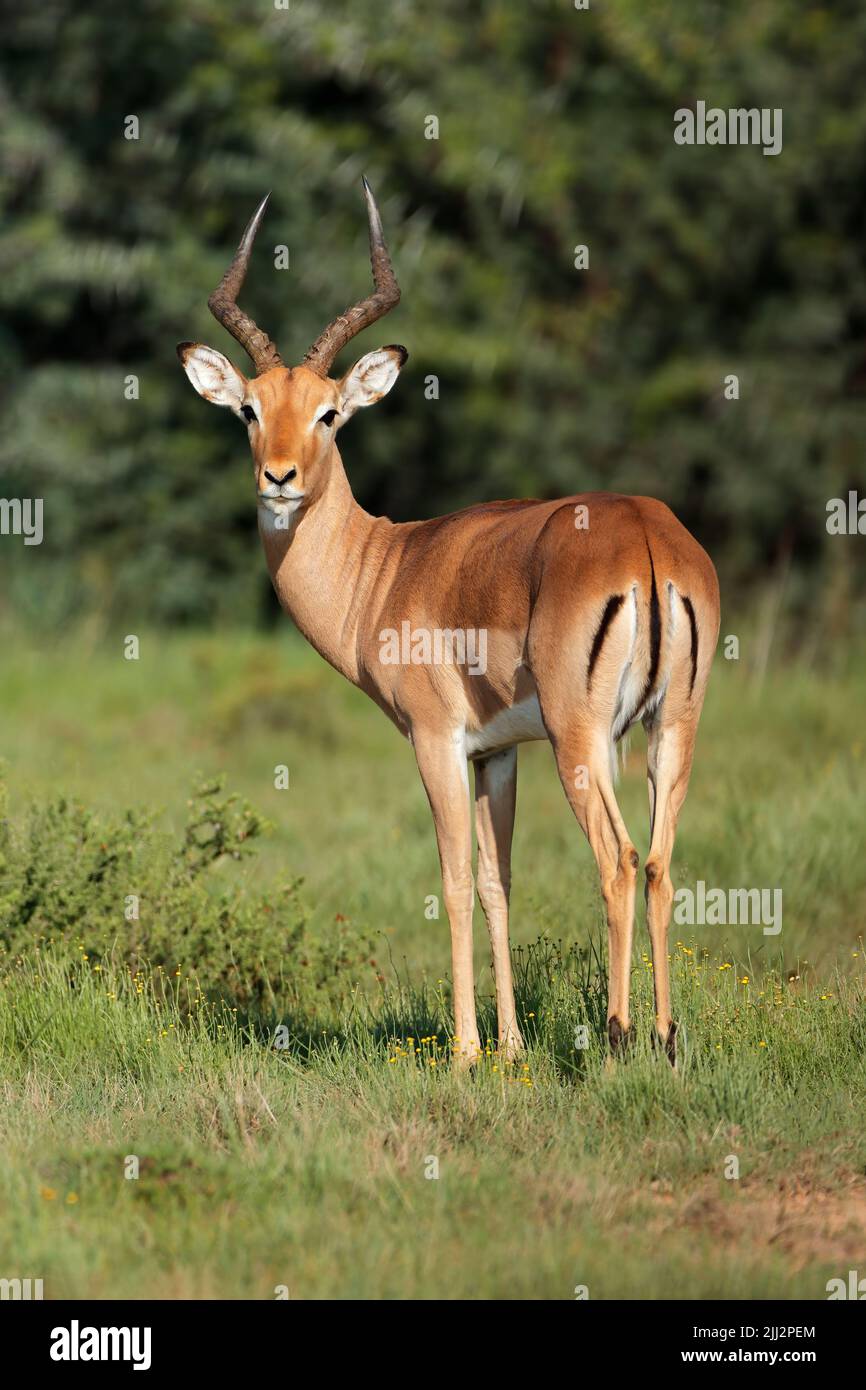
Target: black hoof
[[619, 1038], [669, 1043]]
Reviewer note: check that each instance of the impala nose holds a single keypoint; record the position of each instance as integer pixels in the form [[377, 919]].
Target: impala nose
[[286, 478]]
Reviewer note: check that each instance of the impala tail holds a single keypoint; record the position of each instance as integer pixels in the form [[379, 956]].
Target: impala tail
[[656, 646]]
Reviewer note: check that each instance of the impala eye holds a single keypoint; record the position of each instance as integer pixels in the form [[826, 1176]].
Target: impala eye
[[328, 418], [248, 413]]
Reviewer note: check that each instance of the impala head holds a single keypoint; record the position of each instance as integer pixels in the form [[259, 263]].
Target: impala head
[[292, 414]]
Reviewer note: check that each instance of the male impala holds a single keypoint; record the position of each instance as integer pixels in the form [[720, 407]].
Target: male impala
[[592, 619]]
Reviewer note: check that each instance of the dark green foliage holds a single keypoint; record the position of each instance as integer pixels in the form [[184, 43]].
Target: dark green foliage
[[556, 128]]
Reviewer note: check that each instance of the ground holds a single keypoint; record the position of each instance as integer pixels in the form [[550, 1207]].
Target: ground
[[348, 1160]]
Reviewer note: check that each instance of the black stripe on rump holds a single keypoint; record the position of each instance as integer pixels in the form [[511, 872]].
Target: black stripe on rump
[[655, 636], [611, 609], [687, 604]]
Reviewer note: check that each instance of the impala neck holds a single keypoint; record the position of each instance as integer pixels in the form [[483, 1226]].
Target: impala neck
[[324, 565]]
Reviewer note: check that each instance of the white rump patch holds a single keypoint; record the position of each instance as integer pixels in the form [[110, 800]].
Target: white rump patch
[[631, 682]]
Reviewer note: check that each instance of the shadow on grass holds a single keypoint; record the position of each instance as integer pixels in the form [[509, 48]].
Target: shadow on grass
[[560, 993]]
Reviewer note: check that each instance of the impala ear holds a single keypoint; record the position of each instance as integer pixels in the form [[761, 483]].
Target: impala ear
[[213, 375], [371, 378]]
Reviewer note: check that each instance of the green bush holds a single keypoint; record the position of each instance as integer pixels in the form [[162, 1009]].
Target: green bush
[[121, 888]]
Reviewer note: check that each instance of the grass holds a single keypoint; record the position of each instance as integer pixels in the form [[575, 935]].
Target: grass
[[304, 1164]]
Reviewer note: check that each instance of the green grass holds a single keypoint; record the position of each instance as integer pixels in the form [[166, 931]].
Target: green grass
[[304, 1165]]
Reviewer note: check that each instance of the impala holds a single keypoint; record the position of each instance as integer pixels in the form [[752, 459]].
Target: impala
[[597, 609]]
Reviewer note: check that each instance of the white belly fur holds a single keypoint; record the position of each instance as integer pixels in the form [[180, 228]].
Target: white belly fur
[[519, 724]]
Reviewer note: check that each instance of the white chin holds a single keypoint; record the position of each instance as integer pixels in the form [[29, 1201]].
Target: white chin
[[280, 506]]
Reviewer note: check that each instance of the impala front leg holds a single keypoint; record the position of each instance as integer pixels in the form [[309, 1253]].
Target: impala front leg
[[495, 799], [442, 764]]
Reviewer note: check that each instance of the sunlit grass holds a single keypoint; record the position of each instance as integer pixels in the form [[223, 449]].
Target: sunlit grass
[[269, 1156], [287, 1141]]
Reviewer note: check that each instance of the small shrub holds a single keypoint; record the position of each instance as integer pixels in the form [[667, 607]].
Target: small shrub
[[122, 887]]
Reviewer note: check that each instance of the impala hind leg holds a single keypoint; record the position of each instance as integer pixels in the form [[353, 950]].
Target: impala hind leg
[[444, 772], [669, 760], [495, 799], [584, 765]]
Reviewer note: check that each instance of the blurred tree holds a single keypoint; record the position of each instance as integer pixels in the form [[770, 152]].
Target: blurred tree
[[555, 130]]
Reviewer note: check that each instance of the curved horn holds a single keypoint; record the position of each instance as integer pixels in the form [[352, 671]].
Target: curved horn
[[344, 328], [223, 302]]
